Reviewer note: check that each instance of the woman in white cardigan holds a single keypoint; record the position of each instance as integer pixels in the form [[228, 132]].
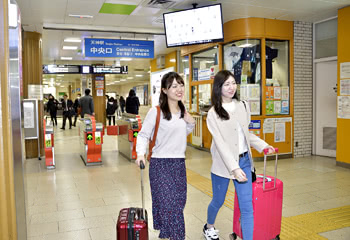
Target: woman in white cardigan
[[228, 122]]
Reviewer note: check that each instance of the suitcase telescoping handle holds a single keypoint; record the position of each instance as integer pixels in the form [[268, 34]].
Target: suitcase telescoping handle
[[265, 158], [142, 167]]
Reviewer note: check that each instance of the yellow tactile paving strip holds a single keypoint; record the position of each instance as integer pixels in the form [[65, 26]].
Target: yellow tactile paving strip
[[304, 226]]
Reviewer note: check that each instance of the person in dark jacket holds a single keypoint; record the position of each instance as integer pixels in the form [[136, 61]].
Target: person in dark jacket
[[76, 107], [67, 106], [86, 104], [122, 103], [132, 103], [111, 108], [52, 109]]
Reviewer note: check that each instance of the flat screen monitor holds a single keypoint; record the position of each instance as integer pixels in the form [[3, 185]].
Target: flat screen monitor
[[194, 26]]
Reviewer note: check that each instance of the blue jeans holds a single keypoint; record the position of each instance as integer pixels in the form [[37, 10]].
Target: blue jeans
[[244, 192]]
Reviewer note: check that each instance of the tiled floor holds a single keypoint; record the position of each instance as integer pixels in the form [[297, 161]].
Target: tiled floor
[[78, 202]]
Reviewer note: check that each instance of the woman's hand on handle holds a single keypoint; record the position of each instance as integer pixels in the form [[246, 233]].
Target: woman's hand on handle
[[269, 150], [139, 159], [239, 175]]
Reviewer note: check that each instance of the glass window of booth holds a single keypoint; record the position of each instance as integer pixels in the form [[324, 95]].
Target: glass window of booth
[[194, 98], [204, 97], [277, 77], [185, 74], [243, 59], [205, 64]]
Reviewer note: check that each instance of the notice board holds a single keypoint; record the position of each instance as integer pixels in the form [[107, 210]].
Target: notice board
[[30, 118]]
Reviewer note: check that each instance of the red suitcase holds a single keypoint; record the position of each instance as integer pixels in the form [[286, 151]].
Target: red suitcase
[[112, 130], [267, 205], [132, 222]]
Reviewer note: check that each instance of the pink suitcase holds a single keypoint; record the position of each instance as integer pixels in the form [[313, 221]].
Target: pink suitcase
[[267, 205]]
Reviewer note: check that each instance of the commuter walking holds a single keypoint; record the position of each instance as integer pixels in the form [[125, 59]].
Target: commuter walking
[[111, 108], [51, 108], [167, 171], [228, 120], [76, 107], [122, 103], [86, 104], [132, 103], [67, 106]]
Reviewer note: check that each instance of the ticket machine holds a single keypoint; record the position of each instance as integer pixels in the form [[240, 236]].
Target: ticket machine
[[128, 127], [49, 145], [91, 140]]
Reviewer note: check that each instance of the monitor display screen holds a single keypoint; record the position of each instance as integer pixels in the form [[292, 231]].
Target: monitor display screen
[[194, 26]]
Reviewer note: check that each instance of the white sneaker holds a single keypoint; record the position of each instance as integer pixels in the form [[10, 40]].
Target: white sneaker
[[210, 233]]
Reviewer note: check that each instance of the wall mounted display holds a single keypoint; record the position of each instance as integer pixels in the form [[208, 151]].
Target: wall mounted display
[[194, 26]]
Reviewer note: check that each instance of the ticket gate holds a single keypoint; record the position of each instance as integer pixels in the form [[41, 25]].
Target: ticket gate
[[91, 140], [49, 145], [128, 127]]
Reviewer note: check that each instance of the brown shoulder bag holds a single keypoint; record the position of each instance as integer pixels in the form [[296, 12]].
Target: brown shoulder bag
[[153, 142]]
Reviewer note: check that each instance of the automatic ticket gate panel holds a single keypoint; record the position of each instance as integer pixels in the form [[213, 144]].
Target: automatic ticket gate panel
[[91, 140], [49, 145], [129, 126]]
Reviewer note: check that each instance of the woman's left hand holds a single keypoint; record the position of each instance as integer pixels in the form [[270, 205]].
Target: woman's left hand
[[270, 149], [188, 118]]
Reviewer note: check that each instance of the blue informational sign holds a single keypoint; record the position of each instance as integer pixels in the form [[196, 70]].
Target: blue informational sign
[[99, 47], [255, 124]]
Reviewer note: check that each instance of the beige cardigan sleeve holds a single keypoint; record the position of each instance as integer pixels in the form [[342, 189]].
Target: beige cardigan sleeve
[[221, 145]]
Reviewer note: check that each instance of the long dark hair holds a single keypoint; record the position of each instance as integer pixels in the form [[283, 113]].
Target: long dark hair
[[216, 95], [167, 80]]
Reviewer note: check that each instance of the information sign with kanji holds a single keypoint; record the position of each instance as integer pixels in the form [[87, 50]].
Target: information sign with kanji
[[104, 47]]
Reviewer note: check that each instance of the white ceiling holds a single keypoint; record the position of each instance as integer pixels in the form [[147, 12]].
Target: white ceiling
[[147, 19]]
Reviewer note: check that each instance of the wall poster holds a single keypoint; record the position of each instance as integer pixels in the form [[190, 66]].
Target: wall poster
[[156, 78]]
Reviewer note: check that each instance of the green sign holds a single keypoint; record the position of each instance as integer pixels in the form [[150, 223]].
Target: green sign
[[135, 134], [48, 142], [97, 138], [89, 136]]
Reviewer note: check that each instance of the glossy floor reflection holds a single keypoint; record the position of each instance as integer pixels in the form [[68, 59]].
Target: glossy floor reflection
[[78, 202]]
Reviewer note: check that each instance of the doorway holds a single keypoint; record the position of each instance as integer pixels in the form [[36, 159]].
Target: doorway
[[325, 121]]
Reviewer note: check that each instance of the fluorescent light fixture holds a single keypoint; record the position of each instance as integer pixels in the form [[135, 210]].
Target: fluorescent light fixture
[[80, 16], [122, 80], [139, 75], [70, 47], [60, 75], [245, 45], [125, 59], [66, 58], [184, 60], [72, 40], [173, 60], [13, 15], [116, 81], [209, 61], [130, 78]]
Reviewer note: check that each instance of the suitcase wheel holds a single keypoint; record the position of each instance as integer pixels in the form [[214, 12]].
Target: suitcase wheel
[[233, 236]]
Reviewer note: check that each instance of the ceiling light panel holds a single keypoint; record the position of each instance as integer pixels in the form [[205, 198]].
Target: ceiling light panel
[[72, 40], [66, 58], [70, 47]]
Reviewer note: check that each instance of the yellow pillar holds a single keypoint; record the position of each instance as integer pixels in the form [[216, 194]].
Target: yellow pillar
[[343, 125], [7, 198], [32, 74]]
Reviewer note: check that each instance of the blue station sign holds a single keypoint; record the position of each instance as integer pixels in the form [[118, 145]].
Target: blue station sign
[[100, 47]]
